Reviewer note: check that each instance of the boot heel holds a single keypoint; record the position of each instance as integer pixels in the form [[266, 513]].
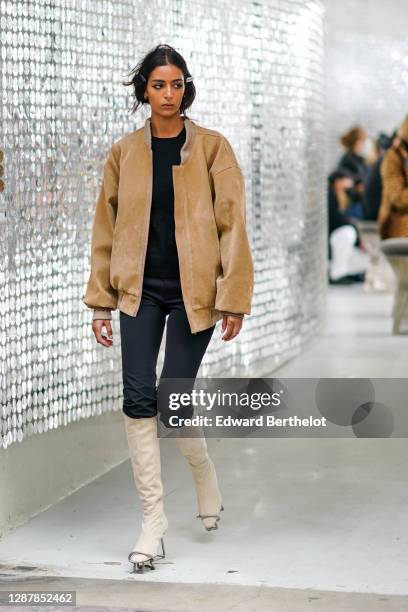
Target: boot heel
[[163, 551], [217, 517], [139, 566]]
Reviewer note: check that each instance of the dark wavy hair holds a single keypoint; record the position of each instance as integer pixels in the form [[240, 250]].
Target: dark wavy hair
[[160, 55]]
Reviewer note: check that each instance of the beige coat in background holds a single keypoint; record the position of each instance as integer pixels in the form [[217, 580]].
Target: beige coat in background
[[215, 261], [393, 213]]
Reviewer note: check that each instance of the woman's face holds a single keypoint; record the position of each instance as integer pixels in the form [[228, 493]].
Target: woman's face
[[396, 141], [165, 86], [359, 146]]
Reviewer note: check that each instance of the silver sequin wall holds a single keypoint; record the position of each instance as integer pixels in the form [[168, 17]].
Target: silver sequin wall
[[366, 56], [258, 69]]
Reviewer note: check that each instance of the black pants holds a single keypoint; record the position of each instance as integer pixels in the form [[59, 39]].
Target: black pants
[[141, 338]]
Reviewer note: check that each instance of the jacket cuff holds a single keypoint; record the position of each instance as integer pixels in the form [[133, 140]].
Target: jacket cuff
[[101, 313], [236, 314]]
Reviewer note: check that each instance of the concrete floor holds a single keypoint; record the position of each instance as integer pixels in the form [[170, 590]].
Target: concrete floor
[[308, 523], [356, 340]]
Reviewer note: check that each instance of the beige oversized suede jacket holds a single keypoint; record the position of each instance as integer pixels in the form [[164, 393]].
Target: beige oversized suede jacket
[[215, 261]]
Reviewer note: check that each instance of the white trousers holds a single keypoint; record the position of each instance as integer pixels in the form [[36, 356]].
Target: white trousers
[[346, 258]]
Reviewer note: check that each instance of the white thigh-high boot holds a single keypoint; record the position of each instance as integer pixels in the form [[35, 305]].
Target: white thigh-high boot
[[144, 453], [204, 475]]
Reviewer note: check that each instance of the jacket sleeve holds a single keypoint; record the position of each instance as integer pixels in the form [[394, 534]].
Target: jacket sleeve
[[99, 294], [236, 314], [235, 286], [394, 182]]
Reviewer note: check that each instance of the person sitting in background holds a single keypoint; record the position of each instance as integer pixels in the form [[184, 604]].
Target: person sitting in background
[[373, 189], [358, 147], [392, 219], [348, 260]]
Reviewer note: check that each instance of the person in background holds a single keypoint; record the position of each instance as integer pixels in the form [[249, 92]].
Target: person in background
[[348, 260], [392, 219], [395, 139], [358, 148], [373, 189]]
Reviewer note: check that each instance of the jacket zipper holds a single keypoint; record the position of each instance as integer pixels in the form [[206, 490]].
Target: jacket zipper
[[194, 333], [182, 160], [147, 234]]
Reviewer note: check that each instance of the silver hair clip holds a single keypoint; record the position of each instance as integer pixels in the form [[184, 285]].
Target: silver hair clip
[[142, 77], [189, 79]]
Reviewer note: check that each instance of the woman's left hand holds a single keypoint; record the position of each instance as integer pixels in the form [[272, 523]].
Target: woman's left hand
[[231, 323]]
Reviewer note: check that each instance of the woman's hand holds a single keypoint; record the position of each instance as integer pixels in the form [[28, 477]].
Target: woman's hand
[[231, 323], [97, 326]]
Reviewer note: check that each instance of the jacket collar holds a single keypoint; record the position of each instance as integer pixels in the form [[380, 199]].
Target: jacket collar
[[191, 130]]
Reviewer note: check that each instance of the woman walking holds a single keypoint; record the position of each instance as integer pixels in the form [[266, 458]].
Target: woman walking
[[169, 240]]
